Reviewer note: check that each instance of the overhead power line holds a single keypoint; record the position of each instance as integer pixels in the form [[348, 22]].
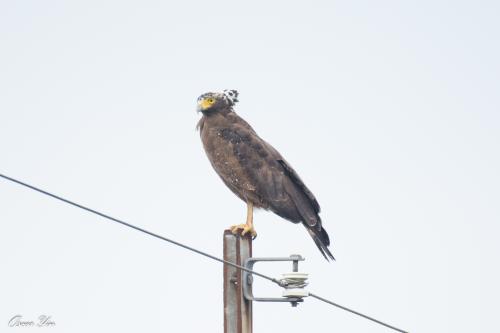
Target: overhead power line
[[192, 249], [355, 312], [139, 228]]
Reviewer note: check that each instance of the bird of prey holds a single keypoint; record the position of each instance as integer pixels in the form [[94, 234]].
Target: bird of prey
[[254, 170]]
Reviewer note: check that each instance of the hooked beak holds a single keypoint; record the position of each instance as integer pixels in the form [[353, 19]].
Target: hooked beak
[[203, 104]]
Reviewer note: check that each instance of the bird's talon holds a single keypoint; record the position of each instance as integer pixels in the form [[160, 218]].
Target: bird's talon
[[245, 229]]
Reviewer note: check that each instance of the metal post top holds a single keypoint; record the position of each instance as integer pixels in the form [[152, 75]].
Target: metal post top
[[228, 232]]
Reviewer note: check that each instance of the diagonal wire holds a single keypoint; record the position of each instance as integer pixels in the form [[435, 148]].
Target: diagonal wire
[[278, 282], [356, 312], [140, 229]]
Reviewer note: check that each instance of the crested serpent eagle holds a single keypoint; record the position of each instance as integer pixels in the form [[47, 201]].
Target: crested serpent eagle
[[254, 170]]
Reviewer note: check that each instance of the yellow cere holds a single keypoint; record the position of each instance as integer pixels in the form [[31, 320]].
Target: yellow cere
[[205, 103]]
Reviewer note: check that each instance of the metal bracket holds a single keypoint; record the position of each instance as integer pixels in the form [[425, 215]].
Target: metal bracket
[[248, 279]]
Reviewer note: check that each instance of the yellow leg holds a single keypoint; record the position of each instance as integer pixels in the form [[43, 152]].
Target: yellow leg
[[248, 226]]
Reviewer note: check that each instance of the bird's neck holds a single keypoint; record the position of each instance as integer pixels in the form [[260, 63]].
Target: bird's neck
[[221, 112], [215, 118]]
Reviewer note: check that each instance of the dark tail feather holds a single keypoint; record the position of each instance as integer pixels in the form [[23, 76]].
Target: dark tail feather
[[322, 241]]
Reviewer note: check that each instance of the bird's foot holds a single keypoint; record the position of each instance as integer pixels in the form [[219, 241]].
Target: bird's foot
[[245, 229]]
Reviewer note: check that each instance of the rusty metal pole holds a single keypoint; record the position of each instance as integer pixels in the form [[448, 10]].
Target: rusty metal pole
[[237, 310]]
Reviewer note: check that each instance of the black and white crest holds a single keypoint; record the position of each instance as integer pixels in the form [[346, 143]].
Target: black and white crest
[[231, 96]]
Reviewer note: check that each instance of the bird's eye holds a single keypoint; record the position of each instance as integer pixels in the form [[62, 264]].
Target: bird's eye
[[210, 100]]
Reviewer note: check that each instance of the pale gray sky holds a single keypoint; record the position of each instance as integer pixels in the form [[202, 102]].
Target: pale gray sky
[[389, 111]]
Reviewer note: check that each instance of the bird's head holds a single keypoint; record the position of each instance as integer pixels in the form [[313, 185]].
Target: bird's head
[[214, 101]]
